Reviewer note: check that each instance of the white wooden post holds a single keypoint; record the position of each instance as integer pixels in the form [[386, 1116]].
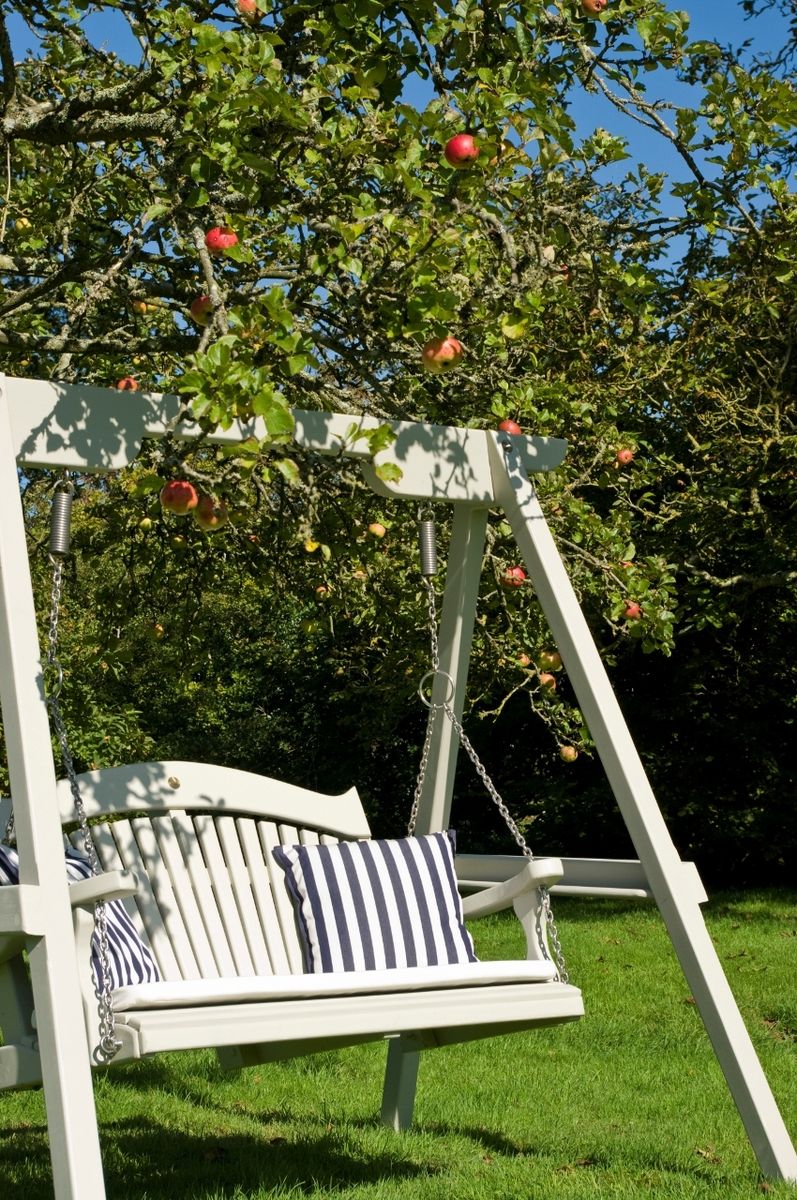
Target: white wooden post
[[71, 1116], [457, 617], [672, 886]]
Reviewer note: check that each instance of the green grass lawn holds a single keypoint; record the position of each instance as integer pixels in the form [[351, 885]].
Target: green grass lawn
[[626, 1102]]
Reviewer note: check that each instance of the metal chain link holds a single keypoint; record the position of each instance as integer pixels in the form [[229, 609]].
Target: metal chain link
[[107, 1046], [54, 679], [481, 771]]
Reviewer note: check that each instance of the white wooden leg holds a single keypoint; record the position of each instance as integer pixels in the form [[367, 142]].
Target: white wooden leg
[[677, 903], [71, 1116], [456, 635], [401, 1078]]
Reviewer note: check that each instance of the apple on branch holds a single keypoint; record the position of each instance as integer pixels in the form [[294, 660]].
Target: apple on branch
[[547, 681], [248, 11], [593, 7], [510, 427], [127, 384], [178, 497], [513, 577], [441, 355], [568, 753], [550, 660], [632, 610], [377, 529], [201, 310], [461, 150], [220, 239], [624, 456], [209, 514]]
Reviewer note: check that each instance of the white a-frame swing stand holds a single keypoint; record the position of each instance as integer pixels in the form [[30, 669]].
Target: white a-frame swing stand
[[92, 429]]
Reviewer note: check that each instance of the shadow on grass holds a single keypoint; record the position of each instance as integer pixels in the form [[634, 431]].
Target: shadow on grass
[[142, 1159]]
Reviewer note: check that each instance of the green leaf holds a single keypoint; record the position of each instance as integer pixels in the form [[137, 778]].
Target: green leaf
[[388, 472]]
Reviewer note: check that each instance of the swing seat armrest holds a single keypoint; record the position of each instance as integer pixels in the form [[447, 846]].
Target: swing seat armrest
[[536, 873], [111, 885]]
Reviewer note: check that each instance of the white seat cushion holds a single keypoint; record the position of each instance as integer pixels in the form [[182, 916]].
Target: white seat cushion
[[193, 992]]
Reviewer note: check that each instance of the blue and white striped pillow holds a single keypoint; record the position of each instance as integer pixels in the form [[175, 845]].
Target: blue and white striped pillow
[[129, 960], [373, 905]]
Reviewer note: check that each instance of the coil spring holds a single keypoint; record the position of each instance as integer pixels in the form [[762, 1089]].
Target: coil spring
[[428, 546], [60, 520]]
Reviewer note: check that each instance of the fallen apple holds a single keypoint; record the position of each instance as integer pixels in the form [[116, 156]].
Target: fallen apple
[[513, 577], [209, 514], [145, 524], [201, 310], [441, 355], [22, 223], [512, 427], [461, 150], [220, 239], [178, 497]]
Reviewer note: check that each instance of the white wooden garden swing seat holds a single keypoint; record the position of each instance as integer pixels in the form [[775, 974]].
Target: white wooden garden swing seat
[[195, 840], [189, 847]]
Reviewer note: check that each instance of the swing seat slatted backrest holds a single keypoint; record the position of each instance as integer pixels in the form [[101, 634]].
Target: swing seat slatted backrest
[[211, 902]]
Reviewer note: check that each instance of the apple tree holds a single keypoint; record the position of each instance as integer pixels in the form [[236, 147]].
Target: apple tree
[[296, 206]]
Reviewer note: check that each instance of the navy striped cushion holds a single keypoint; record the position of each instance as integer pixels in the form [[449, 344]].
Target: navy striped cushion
[[365, 906], [129, 960]]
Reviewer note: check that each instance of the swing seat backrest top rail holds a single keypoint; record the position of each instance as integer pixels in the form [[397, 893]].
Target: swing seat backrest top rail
[[205, 894]]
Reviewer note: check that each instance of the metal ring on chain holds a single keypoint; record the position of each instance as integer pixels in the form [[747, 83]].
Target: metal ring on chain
[[440, 703]]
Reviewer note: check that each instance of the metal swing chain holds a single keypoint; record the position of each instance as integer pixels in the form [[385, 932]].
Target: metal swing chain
[[58, 550], [469, 749]]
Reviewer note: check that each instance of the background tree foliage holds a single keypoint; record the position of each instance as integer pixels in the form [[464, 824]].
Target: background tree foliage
[[598, 299]]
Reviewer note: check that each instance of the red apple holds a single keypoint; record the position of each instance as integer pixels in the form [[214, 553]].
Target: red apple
[[178, 497], [523, 659], [547, 681], [220, 238], [632, 610], [510, 427], [513, 577], [441, 355], [624, 456], [127, 384], [593, 7], [568, 753], [209, 514], [376, 529], [248, 11], [461, 150], [201, 310]]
